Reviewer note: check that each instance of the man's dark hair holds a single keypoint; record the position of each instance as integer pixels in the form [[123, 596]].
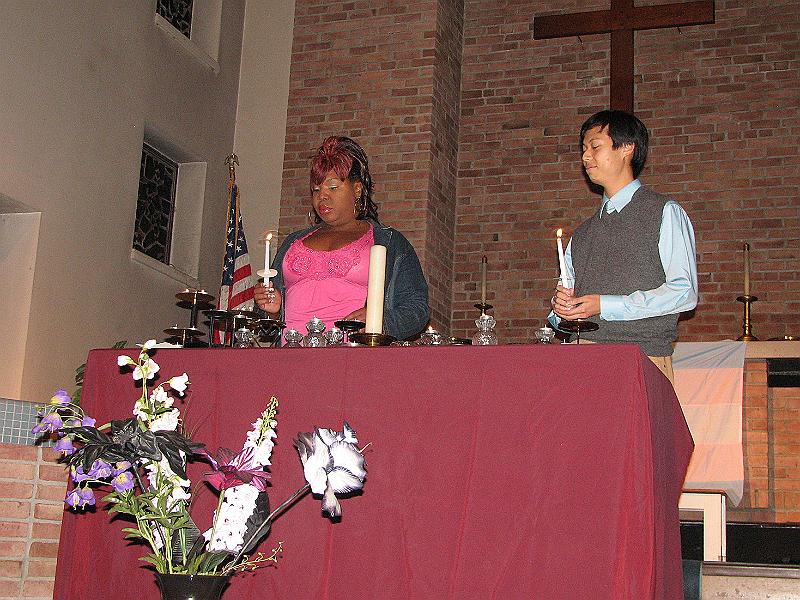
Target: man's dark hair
[[623, 128]]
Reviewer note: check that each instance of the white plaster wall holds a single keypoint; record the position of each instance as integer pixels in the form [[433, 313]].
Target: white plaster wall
[[19, 233], [80, 79], [261, 118]]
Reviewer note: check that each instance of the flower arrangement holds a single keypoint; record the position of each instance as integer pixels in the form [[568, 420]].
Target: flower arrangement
[[142, 462]]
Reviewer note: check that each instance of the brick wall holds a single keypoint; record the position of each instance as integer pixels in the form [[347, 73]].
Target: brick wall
[[440, 226], [722, 102], [771, 424], [387, 74], [32, 489]]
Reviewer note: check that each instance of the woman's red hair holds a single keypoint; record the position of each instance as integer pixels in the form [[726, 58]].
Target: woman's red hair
[[331, 156]]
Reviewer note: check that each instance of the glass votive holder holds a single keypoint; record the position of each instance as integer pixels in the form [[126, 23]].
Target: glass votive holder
[[334, 336], [293, 339], [314, 338], [545, 335], [431, 337]]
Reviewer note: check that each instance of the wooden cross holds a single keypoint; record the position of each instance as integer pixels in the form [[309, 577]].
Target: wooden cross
[[621, 21]]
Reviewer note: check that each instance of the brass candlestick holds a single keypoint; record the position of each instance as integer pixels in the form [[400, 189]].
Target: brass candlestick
[[747, 332]]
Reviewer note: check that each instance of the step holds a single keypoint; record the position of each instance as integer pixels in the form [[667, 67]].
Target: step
[[735, 581]]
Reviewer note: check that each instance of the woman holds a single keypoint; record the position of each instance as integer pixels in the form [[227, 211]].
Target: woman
[[323, 271]]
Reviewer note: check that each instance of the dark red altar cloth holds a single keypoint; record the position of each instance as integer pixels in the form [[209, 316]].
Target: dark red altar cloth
[[539, 472]]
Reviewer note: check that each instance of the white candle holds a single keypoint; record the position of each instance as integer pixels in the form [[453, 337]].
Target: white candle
[[377, 277], [747, 269], [266, 260], [483, 280], [564, 279]]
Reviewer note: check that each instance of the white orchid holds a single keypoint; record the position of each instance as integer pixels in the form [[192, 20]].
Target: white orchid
[[148, 345], [332, 464], [179, 383], [147, 368], [124, 361], [167, 421], [159, 398]]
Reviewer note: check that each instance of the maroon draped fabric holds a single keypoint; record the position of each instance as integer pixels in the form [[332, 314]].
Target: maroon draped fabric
[[536, 472]]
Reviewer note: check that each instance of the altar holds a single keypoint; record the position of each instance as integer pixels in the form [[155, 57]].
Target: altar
[[538, 472]]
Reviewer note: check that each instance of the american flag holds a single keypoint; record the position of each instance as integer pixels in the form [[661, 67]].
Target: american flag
[[237, 283]]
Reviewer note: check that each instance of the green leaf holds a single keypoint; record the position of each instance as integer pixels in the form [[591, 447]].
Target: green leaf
[[154, 560], [211, 562], [132, 533]]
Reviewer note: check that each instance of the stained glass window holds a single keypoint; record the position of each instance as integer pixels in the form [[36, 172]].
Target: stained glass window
[[177, 12], [155, 208]]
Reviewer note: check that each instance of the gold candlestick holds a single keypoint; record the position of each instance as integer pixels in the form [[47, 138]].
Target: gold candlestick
[[747, 333]]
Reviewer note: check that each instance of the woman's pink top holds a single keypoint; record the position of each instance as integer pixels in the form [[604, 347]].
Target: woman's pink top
[[328, 285]]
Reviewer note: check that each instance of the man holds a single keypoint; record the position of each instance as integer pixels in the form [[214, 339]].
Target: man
[[633, 262]]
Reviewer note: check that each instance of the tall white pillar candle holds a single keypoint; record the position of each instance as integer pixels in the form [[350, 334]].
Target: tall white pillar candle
[[377, 278], [747, 269], [483, 280]]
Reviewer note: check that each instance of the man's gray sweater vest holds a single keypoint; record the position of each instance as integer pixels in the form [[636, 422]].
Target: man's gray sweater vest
[[618, 255]]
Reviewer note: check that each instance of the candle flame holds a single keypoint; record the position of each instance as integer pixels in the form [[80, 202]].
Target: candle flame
[[558, 233], [269, 236]]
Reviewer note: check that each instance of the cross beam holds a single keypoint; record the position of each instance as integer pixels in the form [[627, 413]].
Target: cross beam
[[621, 21]]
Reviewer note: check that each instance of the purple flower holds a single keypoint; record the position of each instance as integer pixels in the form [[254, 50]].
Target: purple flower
[[121, 466], [49, 423], [88, 422], [60, 398], [80, 497], [78, 474], [64, 445], [100, 469], [123, 481]]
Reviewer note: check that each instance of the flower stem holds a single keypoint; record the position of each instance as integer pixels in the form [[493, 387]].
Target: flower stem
[[268, 521], [134, 468]]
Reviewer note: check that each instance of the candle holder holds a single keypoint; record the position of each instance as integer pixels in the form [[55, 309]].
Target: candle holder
[[294, 339], [747, 333], [349, 327], [483, 307], [577, 327], [373, 340], [185, 336], [194, 300], [545, 335], [485, 324], [485, 336], [267, 274], [314, 337], [218, 322], [268, 331]]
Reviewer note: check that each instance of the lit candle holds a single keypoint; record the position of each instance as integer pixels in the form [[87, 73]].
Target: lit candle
[[562, 263], [377, 276], [746, 269], [483, 279], [266, 260]]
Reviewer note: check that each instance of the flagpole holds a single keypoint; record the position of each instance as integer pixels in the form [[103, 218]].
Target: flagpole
[[232, 161]]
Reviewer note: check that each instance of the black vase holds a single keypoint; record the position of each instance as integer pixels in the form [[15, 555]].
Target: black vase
[[191, 587]]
